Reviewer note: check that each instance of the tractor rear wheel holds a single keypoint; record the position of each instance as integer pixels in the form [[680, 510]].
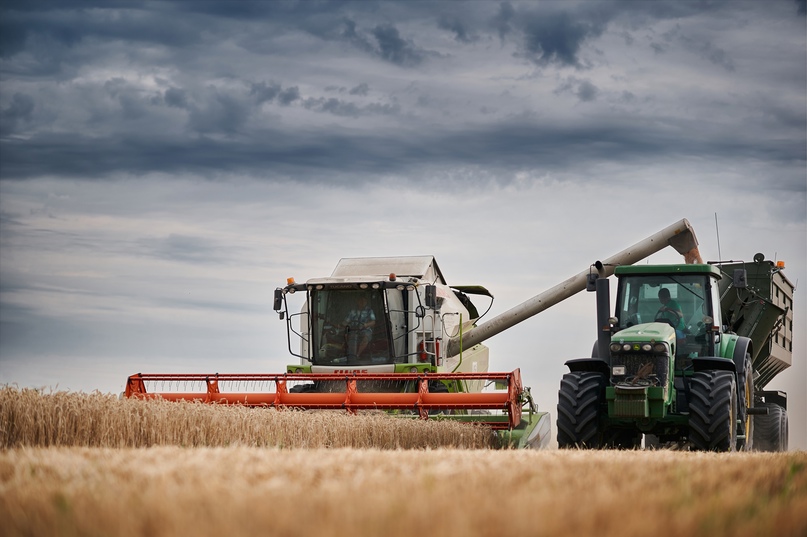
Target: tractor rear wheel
[[713, 411], [745, 391], [580, 401], [770, 430]]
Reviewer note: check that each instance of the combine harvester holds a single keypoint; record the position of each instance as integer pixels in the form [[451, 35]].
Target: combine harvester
[[391, 334]]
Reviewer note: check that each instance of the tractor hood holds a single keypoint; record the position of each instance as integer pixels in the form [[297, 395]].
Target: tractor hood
[[652, 332]]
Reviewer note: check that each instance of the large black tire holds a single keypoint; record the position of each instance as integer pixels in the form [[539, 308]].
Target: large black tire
[[771, 429], [745, 394], [580, 402], [713, 411], [622, 439], [435, 386], [303, 388]]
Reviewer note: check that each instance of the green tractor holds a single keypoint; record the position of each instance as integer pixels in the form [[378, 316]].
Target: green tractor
[[684, 360]]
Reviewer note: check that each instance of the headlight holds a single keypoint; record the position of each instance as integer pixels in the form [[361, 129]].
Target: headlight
[[626, 347], [615, 347], [618, 370], [647, 347], [659, 347]]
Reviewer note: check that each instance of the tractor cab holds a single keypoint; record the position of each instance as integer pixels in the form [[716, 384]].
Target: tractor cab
[[683, 297]]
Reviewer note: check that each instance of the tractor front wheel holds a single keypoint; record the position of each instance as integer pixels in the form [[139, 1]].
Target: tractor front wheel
[[580, 402], [713, 411]]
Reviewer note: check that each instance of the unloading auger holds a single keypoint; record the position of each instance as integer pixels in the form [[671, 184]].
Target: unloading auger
[[389, 333]]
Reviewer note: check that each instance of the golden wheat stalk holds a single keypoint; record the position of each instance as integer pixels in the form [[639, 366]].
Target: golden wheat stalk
[[36, 419]]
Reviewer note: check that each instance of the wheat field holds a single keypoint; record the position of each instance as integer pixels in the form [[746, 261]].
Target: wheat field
[[36, 419], [284, 484]]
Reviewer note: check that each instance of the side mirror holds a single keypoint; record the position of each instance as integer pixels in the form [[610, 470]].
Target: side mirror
[[591, 281], [278, 299], [740, 278], [431, 296]]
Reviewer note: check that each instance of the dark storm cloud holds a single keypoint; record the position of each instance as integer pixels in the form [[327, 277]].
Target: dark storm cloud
[[395, 49], [308, 153], [582, 89], [338, 107], [362, 89], [557, 37], [384, 41], [224, 113], [18, 111], [176, 97], [457, 27], [116, 124]]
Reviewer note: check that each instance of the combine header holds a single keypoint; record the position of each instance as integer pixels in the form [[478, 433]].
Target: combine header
[[389, 333], [345, 392]]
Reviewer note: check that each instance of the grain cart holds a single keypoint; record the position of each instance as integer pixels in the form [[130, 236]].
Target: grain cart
[[684, 360], [389, 333]]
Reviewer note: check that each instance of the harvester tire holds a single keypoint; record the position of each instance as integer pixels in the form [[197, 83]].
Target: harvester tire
[[436, 386], [713, 411], [580, 402], [303, 388], [771, 429]]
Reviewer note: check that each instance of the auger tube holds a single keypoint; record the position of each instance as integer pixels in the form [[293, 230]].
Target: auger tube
[[680, 236]]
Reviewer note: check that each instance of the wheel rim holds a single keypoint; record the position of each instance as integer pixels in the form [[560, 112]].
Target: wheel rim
[[749, 402]]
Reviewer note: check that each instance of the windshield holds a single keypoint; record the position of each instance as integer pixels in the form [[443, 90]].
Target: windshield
[[681, 301], [349, 326]]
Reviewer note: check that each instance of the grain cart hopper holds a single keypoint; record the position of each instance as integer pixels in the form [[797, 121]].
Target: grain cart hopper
[[684, 360], [390, 333]]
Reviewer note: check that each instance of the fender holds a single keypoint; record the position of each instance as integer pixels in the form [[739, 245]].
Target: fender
[[707, 363], [593, 365], [742, 347]]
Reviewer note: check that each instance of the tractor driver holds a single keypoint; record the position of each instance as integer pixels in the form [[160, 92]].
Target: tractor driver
[[671, 310], [359, 325]]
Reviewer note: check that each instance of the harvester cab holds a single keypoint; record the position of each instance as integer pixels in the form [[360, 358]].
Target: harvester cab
[[382, 322], [382, 315]]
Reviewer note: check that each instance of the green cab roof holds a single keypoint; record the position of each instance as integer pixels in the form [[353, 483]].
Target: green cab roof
[[624, 270]]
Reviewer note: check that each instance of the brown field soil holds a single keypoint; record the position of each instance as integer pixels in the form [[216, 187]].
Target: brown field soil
[[167, 491]]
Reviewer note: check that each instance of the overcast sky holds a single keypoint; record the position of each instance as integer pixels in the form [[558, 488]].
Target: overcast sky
[[165, 165]]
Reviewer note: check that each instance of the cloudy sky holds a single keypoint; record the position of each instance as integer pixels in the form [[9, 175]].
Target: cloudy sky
[[165, 165]]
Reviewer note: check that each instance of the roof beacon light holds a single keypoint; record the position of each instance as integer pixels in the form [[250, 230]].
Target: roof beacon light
[[780, 264], [290, 281], [392, 277]]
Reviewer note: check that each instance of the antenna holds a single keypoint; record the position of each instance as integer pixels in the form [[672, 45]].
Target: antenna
[[717, 230]]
